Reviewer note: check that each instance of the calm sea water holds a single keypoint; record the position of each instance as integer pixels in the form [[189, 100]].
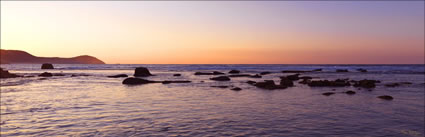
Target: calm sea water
[[95, 105]]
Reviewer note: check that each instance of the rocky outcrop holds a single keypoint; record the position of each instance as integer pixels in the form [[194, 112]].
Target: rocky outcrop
[[220, 78], [328, 83], [386, 97], [118, 76], [47, 66], [137, 81], [365, 83], [142, 72], [265, 73], [236, 89], [350, 92], [269, 85], [46, 74], [6, 74], [234, 71], [328, 93], [285, 81]]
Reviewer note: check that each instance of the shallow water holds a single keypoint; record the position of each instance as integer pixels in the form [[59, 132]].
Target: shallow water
[[95, 105]]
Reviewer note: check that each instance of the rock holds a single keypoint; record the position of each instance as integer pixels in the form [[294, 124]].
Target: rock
[[46, 74], [118, 76], [305, 81], [236, 89], [220, 78], [240, 75], [327, 83], [366, 83], [284, 81], [58, 74], [328, 93], [317, 70], [350, 92], [136, 81], [341, 70], [291, 77], [220, 86], [269, 84], [397, 84], [142, 72], [256, 76], [234, 71], [305, 77], [178, 81], [361, 70], [386, 97], [6, 74], [265, 73], [295, 71], [208, 73], [177, 75], [251, 82], [47, 66]]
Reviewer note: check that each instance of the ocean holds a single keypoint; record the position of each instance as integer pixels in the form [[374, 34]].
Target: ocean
[[91, 104]]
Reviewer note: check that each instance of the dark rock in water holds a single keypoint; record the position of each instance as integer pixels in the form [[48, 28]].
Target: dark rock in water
[[58, 74], [136, 81], [361, 70], [208, 73], [46, 74], [142, 72], [177, 75], [328, 93], [240, 75], [295, 71], [386, 97], [327, 83], [341, 70], [220, 86], [118, 76], [366, 83], [397, 84], [234, 71], [350, 92], [6, 74], [202, 81], [317, 70], [236, 89], [284, 81], [305, 77], [256, 76], [265, 73], [47, 66], [220, 78], [178, 81], [251, 82], [218, 73], [269, 84], [291, 77], [76, 75]]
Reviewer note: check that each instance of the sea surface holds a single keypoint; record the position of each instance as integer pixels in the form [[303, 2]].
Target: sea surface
[[91, 104]]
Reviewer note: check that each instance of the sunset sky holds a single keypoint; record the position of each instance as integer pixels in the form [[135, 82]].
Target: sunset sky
[[218, 32]]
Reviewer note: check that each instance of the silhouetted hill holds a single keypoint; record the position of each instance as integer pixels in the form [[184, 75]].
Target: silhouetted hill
[[22, 57]]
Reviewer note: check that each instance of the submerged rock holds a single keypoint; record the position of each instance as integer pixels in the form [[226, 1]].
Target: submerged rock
[[6, 74], [118, 76], [177, 81], [209, 73], [284, 81], [265, 73], [142, 72], [397, 84], [365, 83], [292, 77], [256, 76], [328, 93], [46, 74], [220, 86], [269, 84], [317, 70], [236, 89], [177, 75], [350, 92], [386, 97], [341, 70], [136, 81], [251, 82], [234, 71], [240, 75], [327, 83], [47, 66], [220, 78]]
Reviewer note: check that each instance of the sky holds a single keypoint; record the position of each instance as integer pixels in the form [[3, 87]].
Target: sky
[[219, 32]]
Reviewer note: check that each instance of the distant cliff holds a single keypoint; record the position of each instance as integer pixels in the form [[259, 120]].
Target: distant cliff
[[22, 57]]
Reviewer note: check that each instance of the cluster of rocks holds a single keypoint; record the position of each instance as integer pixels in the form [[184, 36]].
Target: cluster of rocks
[[6, 74]]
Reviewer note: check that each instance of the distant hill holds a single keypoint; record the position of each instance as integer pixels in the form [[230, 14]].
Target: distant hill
[[22, 57]]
